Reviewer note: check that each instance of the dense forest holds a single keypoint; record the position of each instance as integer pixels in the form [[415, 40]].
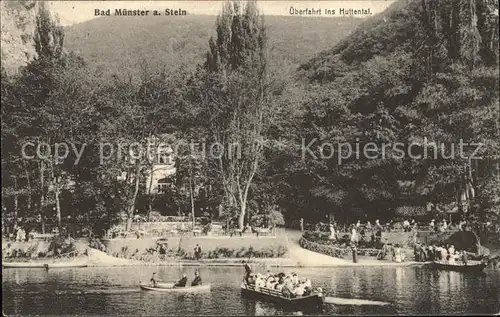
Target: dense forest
[[423, 75]]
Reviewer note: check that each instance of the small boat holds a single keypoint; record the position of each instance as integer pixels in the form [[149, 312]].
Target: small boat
[[34, 265], [471, 266], [169, 287], [303, 303]]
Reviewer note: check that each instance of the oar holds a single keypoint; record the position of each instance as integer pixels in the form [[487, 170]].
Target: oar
[[353, 301]]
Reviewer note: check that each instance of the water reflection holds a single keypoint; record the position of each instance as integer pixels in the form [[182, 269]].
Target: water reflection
[[411, 290], [399, 280]]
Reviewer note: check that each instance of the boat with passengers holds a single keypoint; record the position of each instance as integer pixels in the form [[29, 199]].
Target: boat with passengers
[[309, 302], [287, 290], [469, 267]]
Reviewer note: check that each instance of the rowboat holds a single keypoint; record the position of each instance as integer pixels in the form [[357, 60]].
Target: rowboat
[[304, 303], [169, 287], [34, 265], [471, 266]]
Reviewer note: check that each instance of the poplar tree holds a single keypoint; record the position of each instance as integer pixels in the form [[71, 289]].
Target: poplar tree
[[237, 104]]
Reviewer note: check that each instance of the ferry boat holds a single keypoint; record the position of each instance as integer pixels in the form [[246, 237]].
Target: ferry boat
[[304, 303], [471, 266]]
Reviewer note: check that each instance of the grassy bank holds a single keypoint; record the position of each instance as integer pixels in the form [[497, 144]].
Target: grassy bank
[[212, 247]]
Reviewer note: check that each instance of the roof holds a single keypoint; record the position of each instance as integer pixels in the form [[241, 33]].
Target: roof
[[411, 211]]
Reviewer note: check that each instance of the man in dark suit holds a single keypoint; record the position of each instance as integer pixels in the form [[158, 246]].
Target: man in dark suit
[[197, 279], [197, 252], [182, 282]]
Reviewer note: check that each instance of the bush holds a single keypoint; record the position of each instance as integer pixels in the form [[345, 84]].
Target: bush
[[339, 249], [59, 245], [95, 243], [269, 252]]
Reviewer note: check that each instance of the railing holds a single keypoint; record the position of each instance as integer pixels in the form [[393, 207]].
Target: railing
[[264, 290]]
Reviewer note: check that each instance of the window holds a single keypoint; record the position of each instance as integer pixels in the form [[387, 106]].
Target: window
[[164, 158], [162, 185]]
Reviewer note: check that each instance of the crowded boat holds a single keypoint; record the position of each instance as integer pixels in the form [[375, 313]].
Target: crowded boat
[[288, 285]]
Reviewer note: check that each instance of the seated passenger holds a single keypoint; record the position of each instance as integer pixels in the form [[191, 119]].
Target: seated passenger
[[288, 290], [154, 280], [452, 258], [308, 283], [307, 291], [270, 282], [182, 282], [299, 290], [279, 286], [251, 279], [197, 279]]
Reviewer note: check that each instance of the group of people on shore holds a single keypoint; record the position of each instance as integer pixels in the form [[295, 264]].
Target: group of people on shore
[[396, 253], [358, 230], [289, 285], [423, 253]]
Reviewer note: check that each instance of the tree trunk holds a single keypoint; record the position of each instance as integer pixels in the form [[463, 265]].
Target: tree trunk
[[55, 184], [42, 195], [150, 198], [130, 213], [28, 181], [241, 217], [478, 241], [58, 208], [191, 194], [16, 201]]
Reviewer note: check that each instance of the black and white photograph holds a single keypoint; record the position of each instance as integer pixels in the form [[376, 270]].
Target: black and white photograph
[[250, 158]]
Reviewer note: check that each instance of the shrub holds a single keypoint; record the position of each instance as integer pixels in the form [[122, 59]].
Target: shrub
[[268, 252], [59, 245]]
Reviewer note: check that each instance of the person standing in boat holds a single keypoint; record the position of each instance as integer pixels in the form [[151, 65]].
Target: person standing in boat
[[464, 257], [416, 251], [182, 282], [248, 271], [154, 280], [451, 250], [197, 279]]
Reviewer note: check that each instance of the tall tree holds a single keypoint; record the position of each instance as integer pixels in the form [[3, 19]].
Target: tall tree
[[235, 91]]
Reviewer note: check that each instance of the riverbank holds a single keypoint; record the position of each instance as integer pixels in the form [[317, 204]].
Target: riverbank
[[96, 258]]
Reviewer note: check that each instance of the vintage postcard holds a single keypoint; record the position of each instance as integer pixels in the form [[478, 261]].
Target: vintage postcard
[[242, 158]]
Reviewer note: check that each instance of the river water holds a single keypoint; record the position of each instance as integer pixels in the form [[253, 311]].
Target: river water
[[115, 291]]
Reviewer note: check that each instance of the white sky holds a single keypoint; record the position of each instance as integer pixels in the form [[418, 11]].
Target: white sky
[[71, 12]]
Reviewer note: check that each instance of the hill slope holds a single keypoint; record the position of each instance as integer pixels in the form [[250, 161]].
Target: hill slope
[[115, 44]]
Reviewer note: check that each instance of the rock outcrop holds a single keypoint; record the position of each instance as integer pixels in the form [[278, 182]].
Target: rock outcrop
[[28, 28]]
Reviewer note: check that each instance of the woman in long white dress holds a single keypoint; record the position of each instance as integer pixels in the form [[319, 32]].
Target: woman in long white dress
[[332, 233], [354, 236]]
